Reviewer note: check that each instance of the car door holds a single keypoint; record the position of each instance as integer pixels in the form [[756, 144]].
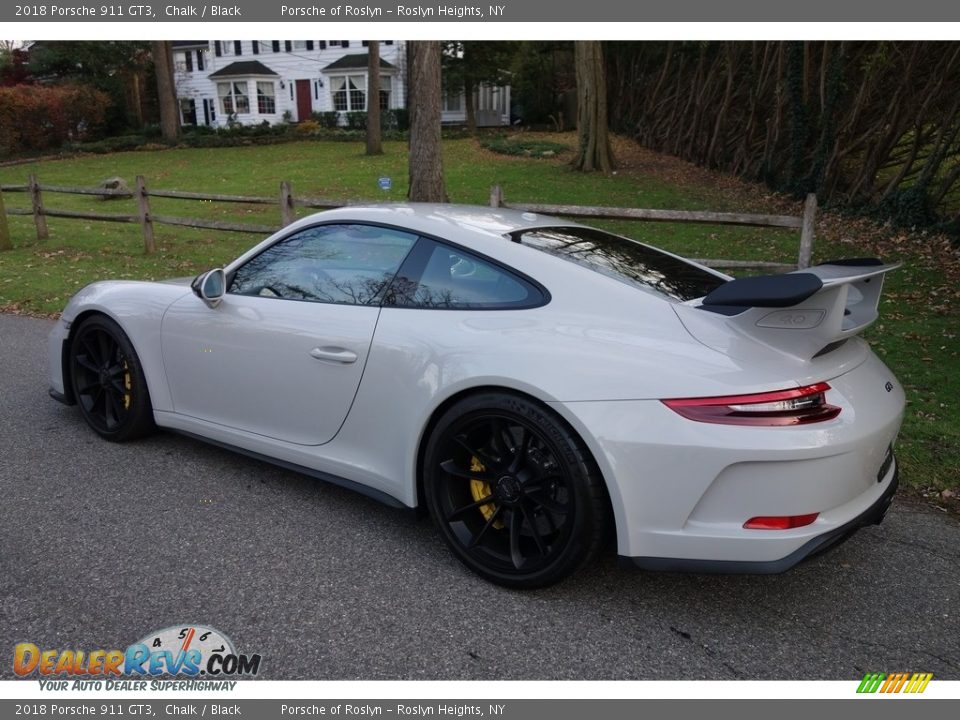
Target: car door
[[282, 355]]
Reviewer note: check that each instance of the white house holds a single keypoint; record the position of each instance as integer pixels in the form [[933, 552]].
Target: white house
[[251, 81]]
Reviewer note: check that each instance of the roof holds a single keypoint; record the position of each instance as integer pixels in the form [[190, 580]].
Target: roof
[[358, 61], [244, 67], [178, 44], [442, 220]]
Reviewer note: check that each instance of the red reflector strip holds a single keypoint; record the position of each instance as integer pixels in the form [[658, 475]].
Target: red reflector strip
[[779, 522], [795, 406]]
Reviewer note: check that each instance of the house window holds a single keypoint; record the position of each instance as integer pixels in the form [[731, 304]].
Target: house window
[[201, 60], [255, 46], [275, 44], [451, 102], [386, 85], [266, 99], [209, 111], [188, 60], [188, 111], [349, 92], [237, 49], [233, 97]]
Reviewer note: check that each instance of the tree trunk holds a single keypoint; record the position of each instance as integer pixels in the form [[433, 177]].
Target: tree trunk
[[592, 127], [470, 105], [5, 242], [374, 144], [133, 99], [426, 158], [166, 90]]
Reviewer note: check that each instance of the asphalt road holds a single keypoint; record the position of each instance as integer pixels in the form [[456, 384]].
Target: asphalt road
[[102, 543]]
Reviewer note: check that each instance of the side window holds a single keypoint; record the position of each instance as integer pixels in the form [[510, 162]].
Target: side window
[[345, 264], [438, 276]]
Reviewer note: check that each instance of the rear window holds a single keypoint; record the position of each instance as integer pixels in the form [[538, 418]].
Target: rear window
[[622, 259]]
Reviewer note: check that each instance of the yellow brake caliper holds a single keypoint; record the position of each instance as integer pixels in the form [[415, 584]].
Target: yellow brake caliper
[[481, 489], [127, 386]]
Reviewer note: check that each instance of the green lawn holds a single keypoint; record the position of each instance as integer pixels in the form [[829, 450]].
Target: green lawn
[[917, 333]]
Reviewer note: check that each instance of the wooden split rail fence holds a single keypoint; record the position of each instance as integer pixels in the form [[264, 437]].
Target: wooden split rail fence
[[288, 204]]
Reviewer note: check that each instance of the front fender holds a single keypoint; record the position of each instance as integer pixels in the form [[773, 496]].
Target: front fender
[[138, 308]]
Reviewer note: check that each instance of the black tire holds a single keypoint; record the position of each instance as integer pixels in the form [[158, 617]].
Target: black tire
[[548, 510], [108, 381]]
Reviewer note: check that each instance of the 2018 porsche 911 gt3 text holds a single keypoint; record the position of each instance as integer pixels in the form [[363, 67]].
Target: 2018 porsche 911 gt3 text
[[531, 381]]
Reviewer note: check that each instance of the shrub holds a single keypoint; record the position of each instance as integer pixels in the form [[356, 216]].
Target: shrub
[[527, 147], [40, 117], [402, 118], [308, 127], [329, 119], [109, 145], [357, 120]]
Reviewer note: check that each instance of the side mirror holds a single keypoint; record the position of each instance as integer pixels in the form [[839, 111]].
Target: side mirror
[[210, 287]]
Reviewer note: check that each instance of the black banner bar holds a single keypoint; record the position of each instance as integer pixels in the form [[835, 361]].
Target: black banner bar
[[738, 11]]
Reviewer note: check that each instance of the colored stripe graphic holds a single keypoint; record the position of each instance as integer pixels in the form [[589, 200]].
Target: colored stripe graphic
[[894, 683], [870, 682]]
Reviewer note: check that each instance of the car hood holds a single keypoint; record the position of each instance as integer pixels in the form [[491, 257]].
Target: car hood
[[177, 281]]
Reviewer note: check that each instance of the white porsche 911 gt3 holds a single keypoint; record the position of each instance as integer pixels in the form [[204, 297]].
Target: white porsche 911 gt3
[[529, 380]]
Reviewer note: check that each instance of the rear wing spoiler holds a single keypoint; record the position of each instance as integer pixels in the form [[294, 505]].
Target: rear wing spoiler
[[798, 313]]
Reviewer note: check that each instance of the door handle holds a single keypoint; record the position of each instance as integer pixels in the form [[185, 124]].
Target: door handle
[[334, 354]]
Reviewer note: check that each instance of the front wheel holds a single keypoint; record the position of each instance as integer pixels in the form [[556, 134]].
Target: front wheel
[[108, 381], [513, 491]]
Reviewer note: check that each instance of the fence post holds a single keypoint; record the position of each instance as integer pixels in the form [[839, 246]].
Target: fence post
[[146, 221], [807, 231], [36, 199], [287, 211], [5, 242], [496, 196]]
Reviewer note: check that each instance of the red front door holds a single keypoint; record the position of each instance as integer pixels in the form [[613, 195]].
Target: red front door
[[304, 106]]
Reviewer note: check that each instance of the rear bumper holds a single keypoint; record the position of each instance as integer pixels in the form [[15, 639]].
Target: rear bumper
[[681, 491], [873, 515]]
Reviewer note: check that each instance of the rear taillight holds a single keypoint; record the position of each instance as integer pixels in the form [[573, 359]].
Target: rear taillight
[[779, 522], [780, 407]]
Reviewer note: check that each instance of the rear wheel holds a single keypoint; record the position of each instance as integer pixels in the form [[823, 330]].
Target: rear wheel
[[514, 491], [108, 381]]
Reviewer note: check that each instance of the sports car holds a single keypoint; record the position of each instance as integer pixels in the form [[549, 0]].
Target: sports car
[[536, 384]]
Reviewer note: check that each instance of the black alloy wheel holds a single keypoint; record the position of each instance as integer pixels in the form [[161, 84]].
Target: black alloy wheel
[[108, 381], [514, 491]]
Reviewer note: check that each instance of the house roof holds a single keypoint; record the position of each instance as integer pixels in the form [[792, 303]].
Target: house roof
[[178, 44], [356, 62], [242, 68]]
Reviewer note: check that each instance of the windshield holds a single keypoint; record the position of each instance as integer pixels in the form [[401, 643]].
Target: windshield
[[622, 259]]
